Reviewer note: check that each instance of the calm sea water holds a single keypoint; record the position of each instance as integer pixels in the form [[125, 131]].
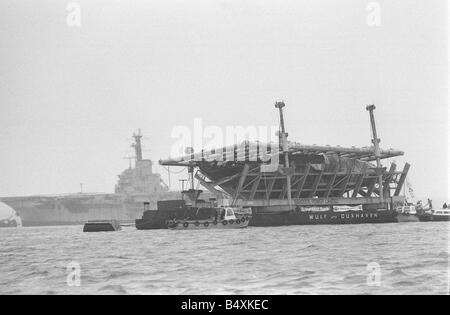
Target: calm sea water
[[412, 258]]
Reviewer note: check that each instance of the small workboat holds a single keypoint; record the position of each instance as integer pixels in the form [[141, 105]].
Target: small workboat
[[224, 218], [435, 215], [407, 213]]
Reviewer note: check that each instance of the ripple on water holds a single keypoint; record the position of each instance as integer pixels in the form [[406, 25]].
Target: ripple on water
[[283, 260], [113, 289]]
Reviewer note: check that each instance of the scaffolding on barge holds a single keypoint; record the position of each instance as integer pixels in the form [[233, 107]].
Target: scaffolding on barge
[[306, 176]]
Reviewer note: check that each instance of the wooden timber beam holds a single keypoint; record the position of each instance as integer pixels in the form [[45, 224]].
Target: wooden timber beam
[[316, 184], [252, 152], [302, 181], [402, 179], [295, 182], [229, 178], [250, 182], [332, 201], [363, 193], [346, 180], [359, 181], [388, 179], [252, 174], [283, 191], [241, 182], [371, 188], [255, 187], [331, 182], [269, 188], [279, 190], [210, 186]]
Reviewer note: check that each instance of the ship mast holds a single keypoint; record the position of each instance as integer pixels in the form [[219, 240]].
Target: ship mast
[[376, 144], [285, 150], [137, 144]]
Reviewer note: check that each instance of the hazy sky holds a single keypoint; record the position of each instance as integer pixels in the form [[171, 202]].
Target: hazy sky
[[70, 97]]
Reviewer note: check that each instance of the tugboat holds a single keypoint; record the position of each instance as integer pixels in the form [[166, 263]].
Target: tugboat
[[157, 219], [197, 210], [223, 218]]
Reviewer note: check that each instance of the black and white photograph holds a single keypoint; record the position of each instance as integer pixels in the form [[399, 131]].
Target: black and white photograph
[[224, 152]]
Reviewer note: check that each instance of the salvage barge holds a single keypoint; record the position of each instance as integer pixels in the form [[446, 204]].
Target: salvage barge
[[309, 185]]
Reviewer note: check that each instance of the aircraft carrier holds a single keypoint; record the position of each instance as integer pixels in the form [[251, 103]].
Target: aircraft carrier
[[135, 186]]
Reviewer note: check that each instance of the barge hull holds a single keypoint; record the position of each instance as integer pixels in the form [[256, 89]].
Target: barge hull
[[322, 217], [158, 220]]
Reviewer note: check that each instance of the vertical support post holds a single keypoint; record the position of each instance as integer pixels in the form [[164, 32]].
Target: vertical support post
[[192, 190], [284, 146], [191, 176], [376, 144]]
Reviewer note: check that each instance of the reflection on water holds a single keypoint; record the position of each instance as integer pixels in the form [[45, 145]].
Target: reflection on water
[[410, 257]]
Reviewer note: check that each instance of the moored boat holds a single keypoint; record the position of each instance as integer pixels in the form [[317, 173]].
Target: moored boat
[[435, 215], [407, 213]]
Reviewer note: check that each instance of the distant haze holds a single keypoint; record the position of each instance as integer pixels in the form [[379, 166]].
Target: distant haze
[[70, 97]]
